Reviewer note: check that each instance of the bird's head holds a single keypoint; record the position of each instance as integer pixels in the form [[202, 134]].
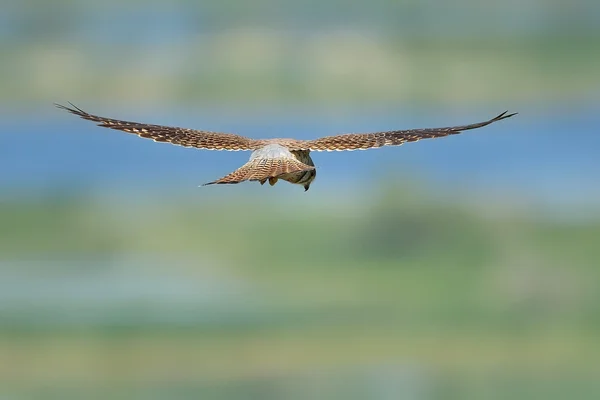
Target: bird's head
[[311, 177]]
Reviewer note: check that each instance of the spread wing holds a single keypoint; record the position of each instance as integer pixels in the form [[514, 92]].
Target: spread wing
[[179, 136], [363, 141]]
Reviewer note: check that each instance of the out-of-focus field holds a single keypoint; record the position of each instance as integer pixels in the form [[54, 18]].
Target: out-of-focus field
[[458, 268], [332, 53], [338, 68], [384, 295]]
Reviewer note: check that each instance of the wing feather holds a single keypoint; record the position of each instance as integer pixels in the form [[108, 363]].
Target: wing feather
[[363, 141], [180, 136]]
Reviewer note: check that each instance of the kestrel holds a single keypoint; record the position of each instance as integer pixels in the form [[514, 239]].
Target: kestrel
[[274, 159]]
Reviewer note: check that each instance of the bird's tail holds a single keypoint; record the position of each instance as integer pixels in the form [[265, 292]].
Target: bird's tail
[[263, 169]]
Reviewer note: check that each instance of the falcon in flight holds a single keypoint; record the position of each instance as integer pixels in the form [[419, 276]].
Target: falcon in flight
[[274, 159]]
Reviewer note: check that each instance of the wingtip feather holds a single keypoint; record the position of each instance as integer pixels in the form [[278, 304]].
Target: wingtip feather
[[75, 110], [503, 116]]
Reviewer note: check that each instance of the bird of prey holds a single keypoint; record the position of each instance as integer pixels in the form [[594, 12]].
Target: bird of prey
[[274, 159]]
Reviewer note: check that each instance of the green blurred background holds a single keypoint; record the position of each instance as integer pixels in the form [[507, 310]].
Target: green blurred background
[[462, 268]]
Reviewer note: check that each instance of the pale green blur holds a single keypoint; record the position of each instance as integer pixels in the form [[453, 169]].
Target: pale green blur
[[392, 296], [371, 289]]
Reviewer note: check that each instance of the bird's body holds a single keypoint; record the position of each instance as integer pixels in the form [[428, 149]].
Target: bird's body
[[277, 151], [274, 159]]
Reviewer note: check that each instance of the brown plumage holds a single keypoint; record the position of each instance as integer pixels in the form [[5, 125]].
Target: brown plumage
[[263, 169], [180, 136], [273, 159], [363, 141]]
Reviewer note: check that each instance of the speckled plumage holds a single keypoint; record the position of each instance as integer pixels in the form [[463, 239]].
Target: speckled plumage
[[273, 159], [287, 167]]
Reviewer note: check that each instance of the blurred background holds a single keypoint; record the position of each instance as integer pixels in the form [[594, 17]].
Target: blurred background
[[458, 268]]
